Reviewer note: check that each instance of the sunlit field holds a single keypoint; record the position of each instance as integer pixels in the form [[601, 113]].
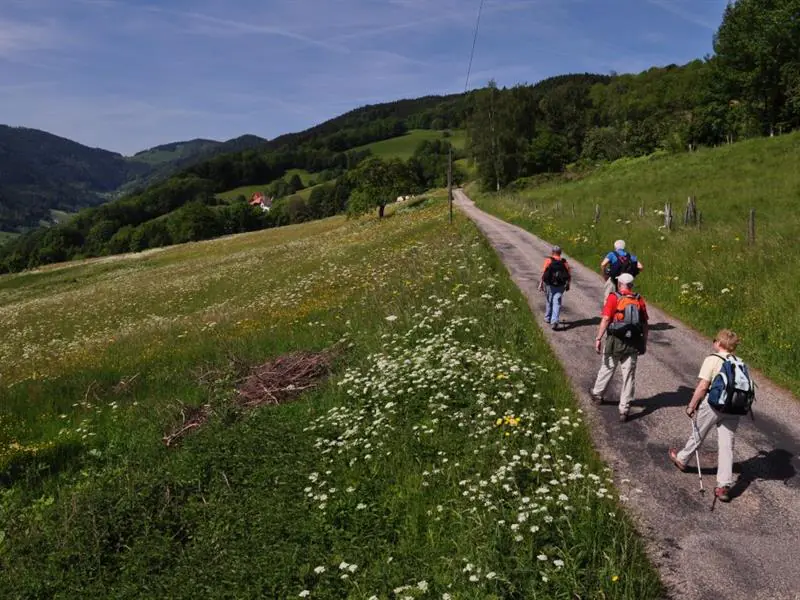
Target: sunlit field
[[709, 276], [445, 457]]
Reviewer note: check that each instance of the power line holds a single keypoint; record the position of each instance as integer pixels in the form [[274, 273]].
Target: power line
[[474, 40]]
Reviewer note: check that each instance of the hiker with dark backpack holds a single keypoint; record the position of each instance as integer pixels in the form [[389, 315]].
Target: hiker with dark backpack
[[724, 393], [617, 262], [554, 282], [624, 319]]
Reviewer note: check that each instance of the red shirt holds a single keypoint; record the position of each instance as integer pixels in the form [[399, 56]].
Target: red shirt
[[610, 306]]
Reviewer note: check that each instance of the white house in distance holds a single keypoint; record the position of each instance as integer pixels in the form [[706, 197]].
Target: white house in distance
[[259, 199]]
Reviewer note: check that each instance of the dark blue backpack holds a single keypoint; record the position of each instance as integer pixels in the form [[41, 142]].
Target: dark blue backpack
[[732, 390]]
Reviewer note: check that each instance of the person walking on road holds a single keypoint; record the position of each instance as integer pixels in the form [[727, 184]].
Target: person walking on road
[[706, 417], [554, 281], [624, 320], [615, 263]]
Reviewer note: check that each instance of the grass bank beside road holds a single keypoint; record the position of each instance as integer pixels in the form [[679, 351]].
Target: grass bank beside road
[[708, 276], [444, 458]]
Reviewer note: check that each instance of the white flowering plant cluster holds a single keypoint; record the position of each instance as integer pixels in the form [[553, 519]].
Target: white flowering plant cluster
[[447, 447]]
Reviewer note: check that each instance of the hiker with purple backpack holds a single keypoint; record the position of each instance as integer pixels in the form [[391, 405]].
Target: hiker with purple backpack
[[615, 263]]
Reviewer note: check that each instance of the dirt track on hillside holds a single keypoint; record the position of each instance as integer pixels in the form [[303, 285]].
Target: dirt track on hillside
[[748, 549]]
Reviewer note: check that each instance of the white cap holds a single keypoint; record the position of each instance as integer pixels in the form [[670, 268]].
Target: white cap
[[626, 279], [619, 245]]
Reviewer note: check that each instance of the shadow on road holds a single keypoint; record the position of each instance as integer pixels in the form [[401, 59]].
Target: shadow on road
[[679, 397], [660, 327], [581, 323], [775, 465]]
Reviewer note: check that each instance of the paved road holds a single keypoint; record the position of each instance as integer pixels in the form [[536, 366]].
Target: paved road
[[748, 549]]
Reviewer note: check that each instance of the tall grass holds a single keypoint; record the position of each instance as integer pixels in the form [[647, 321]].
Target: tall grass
[[445, 458], [708, 276]]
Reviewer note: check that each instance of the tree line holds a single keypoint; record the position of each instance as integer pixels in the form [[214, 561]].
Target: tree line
[[749, 87]]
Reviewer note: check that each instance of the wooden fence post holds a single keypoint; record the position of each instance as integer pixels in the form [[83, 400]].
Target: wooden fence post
[[751, 227], [699, 220], [641, 211], [596, 213], [668, 216], [573, 209]]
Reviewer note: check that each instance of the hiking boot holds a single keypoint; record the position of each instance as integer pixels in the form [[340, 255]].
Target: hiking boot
[[623, 417], [673, 456], [723, 493], [595, 398], [556, 326]]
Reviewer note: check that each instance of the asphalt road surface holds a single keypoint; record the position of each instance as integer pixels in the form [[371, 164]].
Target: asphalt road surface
[[749, 548]]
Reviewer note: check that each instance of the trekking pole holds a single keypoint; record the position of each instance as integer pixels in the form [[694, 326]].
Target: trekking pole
[[696, 435]]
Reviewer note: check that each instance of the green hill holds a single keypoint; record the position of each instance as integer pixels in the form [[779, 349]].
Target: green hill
[[707, 275], [403, 146], [40, 172], [175, 151]]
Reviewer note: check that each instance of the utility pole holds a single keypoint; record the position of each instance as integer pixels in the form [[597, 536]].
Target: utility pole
[[450, 182]]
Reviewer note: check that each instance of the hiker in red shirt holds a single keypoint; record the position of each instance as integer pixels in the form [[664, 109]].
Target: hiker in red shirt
[[624, 319], [554, 282]]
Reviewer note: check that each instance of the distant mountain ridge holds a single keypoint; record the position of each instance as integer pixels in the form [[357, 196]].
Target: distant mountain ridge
[[41, 171]]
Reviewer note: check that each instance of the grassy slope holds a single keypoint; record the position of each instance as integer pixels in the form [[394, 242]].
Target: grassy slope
[[94, 506], [709, 277], [249, 190], [403, 146]]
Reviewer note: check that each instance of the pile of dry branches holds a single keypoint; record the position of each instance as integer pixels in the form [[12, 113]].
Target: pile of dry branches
[[274, 382], [284, 378]]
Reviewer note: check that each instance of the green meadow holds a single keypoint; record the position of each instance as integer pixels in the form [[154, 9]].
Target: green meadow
[[444, 457], [707, 275], [248, 190], [403, 146]]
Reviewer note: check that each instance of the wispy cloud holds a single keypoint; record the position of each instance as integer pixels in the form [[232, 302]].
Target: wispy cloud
[[685, 11], [17, 37], [209, 25]]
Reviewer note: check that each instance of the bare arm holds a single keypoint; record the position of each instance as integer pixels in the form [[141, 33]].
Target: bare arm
[[601, 331], [699, 393]]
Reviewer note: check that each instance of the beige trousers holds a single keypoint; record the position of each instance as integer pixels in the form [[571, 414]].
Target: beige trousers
[[627, 364], [726, 425]]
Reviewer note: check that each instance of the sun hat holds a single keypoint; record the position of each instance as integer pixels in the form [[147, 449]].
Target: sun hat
[[626, 278], [619, 245]]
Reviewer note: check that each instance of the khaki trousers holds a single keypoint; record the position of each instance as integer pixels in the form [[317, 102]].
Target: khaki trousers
[[627, 364], [708, 418]]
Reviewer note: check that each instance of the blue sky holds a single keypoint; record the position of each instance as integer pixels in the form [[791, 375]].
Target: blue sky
[[129, 74]]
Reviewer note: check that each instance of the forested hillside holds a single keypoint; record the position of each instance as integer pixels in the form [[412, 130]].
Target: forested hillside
[[41, 172]]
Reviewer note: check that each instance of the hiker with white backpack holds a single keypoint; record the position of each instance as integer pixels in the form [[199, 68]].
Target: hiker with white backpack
[[617, 262], [724, 393], [554, 281], [624, 319]]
